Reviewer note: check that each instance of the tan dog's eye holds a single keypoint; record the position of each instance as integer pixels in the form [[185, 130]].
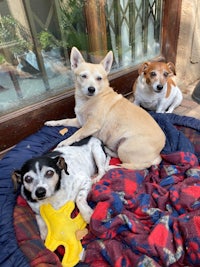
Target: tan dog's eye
[[165, 74], [99, 78], [84, 76], [153, 74], [49, 174], [28, 179]]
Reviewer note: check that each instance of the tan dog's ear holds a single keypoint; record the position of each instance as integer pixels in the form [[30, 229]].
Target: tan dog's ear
[[75, 58], [16, 178], [107, 61], [62, 164], [143, 67], [172, 69]]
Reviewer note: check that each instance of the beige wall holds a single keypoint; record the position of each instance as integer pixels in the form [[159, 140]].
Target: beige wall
[[188, 53], [17, 11]]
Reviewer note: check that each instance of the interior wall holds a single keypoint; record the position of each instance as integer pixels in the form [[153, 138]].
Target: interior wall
[[188, 53]]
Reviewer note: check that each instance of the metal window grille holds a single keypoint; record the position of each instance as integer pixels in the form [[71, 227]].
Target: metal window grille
[[134, 27]]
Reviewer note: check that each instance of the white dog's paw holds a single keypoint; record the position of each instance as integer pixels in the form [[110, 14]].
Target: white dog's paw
[[87, 215], [43, 234], [170, 110], [110, 167], [51, 123], [42, 227], [96, 179]]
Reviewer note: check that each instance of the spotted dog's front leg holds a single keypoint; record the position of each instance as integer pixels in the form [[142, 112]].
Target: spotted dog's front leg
[[101, 160], [81, 201], [42, 227]]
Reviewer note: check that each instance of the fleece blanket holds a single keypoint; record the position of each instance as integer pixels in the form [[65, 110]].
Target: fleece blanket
[[147, 218], [141, 218]]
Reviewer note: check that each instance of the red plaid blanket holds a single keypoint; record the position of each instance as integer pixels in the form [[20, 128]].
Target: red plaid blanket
[[28, 237]]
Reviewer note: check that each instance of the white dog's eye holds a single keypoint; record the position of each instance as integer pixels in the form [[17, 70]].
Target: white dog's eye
[[166, 74], [99, 78], [49, 173], [153, 74], [84, 76], [28, 179]]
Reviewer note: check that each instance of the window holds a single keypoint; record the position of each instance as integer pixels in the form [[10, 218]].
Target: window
[[35, 44]]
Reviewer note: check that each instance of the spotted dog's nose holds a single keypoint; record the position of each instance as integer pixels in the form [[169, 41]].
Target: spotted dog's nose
[[40, 192]]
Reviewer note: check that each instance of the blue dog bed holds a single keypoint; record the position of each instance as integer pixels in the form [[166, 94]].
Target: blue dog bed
[[35, 145], [40, 143]]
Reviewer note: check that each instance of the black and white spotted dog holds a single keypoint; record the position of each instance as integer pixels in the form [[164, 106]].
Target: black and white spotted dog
[[62, 175]]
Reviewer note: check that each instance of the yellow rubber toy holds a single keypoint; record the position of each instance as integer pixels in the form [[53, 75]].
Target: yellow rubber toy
[[64, 231]]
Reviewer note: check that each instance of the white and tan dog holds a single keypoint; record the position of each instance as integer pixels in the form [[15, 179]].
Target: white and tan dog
[[126, 130], [155, 90]]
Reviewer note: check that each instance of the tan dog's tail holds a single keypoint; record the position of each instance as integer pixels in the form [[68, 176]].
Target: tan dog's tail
[[135, 166]]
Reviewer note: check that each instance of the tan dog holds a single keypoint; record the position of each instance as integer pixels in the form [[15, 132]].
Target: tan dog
[[155, 90], [127, 130]]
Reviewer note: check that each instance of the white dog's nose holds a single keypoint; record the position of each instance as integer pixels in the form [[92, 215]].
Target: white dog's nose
[[159, 87], [91, 90]]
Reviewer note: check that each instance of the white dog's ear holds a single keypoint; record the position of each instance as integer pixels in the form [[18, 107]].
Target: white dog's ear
[[143, 67], [171, 68], [107, 61], [75, 58]]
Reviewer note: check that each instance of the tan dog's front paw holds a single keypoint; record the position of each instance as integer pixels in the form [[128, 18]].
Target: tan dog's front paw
[[64, 143], [51, 123]]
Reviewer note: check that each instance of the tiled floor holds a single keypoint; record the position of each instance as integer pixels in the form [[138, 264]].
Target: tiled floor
[[189, 107]]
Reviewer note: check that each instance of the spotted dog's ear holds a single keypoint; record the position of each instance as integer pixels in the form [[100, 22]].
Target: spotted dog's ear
[[62, 164], [16, 178]]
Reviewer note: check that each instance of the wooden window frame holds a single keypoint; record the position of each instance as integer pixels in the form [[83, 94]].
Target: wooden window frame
[[17, 125]]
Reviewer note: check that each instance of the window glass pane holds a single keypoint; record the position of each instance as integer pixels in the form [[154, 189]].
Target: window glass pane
[[134, 28], [36, 37]]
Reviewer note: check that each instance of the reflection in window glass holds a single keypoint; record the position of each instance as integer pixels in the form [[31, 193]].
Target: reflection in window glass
[[36, 37]]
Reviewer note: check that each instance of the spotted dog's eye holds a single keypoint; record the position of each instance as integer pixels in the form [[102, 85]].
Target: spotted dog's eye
[[99, 78], [28, 179], [84, 76], [49, 173], [153, 74], [166, 74]]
